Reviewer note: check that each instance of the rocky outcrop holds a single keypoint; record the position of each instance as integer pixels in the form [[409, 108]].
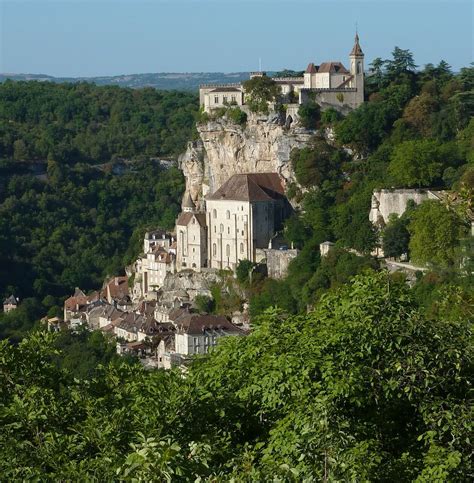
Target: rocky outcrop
[[224, 149], [189, 283]]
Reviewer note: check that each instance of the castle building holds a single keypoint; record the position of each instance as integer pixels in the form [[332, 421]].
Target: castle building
[[243, 215], [330, 84]]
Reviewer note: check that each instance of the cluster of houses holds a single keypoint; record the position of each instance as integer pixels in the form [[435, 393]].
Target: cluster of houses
[[162, 334]]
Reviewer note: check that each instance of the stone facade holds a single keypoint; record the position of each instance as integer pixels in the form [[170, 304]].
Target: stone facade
[[330, 84], [243, 215], [386, 202]]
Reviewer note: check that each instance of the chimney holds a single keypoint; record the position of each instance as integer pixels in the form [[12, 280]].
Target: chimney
[[116, 280]]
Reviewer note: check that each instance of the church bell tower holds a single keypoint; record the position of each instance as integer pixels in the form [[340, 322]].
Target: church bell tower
[[357, 70]]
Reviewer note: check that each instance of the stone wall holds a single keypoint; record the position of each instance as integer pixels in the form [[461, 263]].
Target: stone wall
[[277, 261], [386, 202]]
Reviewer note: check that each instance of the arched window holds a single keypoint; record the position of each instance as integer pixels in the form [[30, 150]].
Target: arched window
[[228, 230], [214, 249], [359, 67], [227, 215], [241, 248], [227, 250], [214, 213], [222, 228]]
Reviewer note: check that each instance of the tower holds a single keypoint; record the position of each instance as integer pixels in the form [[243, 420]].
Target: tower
[[357, 70], [188, 205]]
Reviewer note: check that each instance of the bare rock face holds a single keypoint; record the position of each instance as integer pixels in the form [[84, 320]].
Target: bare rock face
[[224, 149], [189, 283]]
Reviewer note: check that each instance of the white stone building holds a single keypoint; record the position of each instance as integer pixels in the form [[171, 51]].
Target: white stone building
[[330, 84], [242, 216], [191, 234]]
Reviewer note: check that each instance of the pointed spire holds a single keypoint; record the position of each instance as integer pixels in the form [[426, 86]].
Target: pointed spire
[[356, 50], [188, 203]]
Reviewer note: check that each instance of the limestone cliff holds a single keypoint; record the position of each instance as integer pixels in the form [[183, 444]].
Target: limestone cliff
[[224, 149]]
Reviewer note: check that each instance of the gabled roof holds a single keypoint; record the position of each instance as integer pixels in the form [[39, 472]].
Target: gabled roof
[[188, 201], [311, 69], [194, 324], [333, 68], [185, 218], [10, 300], [250, 187], [118, 287]]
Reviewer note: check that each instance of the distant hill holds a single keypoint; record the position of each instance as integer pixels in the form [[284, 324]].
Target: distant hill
[[161, 80]]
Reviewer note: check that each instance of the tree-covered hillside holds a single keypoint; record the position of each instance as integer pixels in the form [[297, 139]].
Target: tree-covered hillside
[[75, 229], [72, 123], [415, 130], [368, 387]]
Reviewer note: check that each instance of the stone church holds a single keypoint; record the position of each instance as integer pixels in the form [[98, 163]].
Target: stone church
[[242, 216]]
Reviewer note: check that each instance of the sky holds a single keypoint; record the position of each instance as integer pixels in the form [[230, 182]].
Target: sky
[[72, 38]]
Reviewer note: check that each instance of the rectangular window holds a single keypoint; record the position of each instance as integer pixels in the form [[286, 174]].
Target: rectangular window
[[216, 99], [224, 99], [234, 99]]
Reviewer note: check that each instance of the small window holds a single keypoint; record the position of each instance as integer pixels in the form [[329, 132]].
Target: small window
[[216, 99], [214, 213], [227, 215], [241, 248], [234, 99], [224, 99], [215, 229], [221, 228], [228, 230], [214, 249], [227, 250]]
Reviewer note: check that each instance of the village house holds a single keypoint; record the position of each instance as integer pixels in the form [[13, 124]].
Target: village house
[[198, 333], [158, 259], [330, 84], [76, 305], [10, 303]]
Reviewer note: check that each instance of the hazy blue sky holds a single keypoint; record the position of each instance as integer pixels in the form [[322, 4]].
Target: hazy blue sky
[[108, 37]]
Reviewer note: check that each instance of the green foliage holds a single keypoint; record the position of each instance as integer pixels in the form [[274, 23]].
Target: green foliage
[[366, 387], [87, 123], [309, 115], [367, 126], [419, 163], [259, 92], [74, 231], [435, 235], [237, 116], [395, 237], [317, 163], [204, 304], [330, 117], [243, 271]]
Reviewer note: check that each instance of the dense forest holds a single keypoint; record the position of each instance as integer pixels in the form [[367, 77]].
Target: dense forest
[[349, 373], [73, 230], [71, 123]]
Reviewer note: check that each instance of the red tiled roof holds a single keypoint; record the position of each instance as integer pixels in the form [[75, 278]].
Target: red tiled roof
[[311, 69], [117, 287]]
